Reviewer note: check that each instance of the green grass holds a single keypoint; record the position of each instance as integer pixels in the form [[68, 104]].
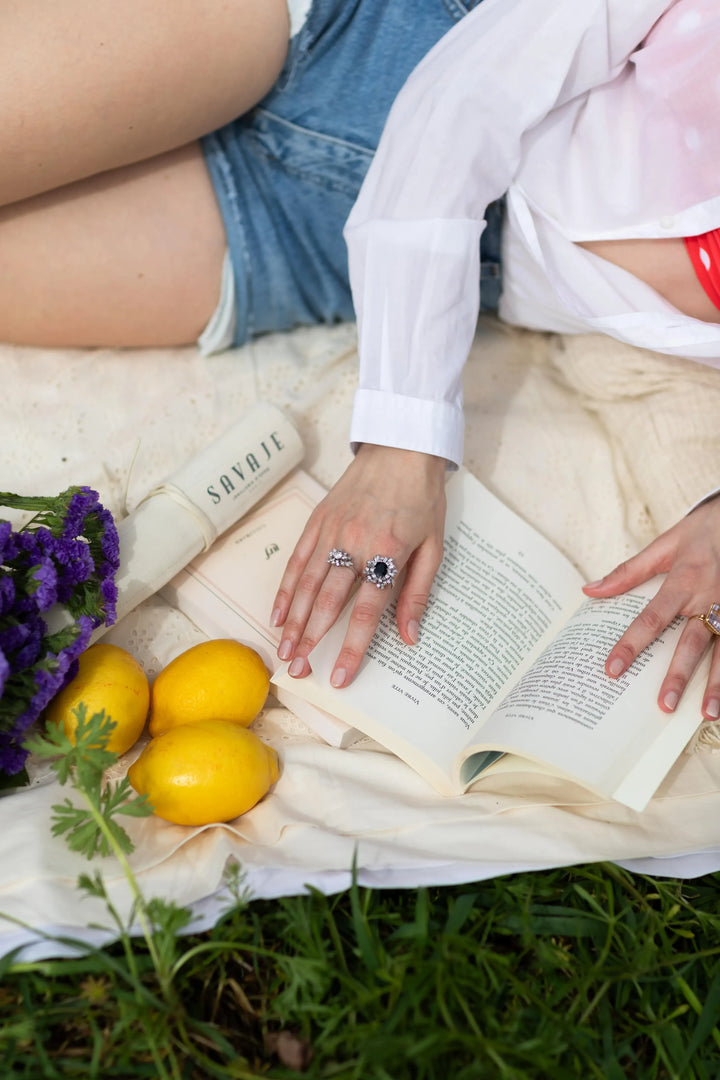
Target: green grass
[[576, 973]]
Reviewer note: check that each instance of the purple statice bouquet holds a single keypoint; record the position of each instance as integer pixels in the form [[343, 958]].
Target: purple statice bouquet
[[65, 558]]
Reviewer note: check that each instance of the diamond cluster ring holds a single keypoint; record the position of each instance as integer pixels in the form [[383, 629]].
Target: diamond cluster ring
[[380, 571], [338, 557]]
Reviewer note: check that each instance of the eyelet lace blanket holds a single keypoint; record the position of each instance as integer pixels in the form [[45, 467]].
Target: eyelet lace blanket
[[598, 445]]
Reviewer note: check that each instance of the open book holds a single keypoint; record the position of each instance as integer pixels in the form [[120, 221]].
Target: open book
[[508, 673]]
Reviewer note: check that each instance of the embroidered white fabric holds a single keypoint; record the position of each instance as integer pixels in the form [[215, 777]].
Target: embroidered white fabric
[[596, 444]]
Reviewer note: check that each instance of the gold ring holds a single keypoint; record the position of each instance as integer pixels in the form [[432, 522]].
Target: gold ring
[[711, 619]]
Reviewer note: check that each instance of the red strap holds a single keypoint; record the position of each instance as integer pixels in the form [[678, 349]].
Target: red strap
[[704, 252]]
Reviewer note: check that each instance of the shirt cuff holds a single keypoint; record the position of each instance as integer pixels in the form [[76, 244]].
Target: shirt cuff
[[408, 423], [706, 498]]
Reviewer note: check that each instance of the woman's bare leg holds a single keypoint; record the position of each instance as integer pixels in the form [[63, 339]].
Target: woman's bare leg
[[90, 85], [131, 257]]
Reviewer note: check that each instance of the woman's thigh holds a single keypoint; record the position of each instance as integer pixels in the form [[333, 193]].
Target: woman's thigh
[[89, 85], [132, 257]]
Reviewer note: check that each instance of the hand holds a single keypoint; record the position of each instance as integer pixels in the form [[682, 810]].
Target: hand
[[689, 554], [389, 502]]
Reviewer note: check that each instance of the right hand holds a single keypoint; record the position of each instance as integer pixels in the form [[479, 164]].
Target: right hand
[[389, 502]]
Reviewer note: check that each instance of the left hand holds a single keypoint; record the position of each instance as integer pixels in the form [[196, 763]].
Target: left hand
[[689, 554]]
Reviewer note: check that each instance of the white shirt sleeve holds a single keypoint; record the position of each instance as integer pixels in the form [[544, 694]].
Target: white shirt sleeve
[[452, 145]]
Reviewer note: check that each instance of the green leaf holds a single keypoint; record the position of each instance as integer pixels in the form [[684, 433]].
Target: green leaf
[[93, 885], [708, 1020], [360, 924]]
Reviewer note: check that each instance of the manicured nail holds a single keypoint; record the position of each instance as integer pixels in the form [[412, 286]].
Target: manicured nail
[[412, 629], [670, 700], [275, 617], [337, 679], [297, 667], [616, 668], [712, 709], [285, 649]]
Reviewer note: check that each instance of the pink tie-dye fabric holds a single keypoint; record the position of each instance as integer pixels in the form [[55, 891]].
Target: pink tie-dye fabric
[[678, 78]]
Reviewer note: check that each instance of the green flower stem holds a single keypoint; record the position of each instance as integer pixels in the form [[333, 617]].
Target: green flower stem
[[141, 910], [140, 905], [24, 502]]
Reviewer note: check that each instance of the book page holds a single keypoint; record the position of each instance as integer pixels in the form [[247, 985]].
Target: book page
[[501, 591], [566, 711], [240, 575]]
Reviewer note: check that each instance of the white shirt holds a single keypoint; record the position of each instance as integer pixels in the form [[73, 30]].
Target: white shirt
[[598, 118]]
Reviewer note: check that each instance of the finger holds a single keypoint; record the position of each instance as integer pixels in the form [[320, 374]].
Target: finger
[[656, 558], [369, 606], [327, 607], [303, 551], [307, 589], [711, 700], [643, 630], [690, 649], [421, 570]]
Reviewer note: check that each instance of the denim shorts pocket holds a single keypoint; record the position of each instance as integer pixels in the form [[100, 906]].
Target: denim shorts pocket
[[325, 160]]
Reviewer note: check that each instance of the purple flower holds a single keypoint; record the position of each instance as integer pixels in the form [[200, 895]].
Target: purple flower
[[81, 642], [12, 756], [5, 540], [33, 543], [4, 670], [68, 553], [46, 576], [7, 593], [13, 636], [31, 649], [82, 503], [74, 560], [109, 592], [110, 544]]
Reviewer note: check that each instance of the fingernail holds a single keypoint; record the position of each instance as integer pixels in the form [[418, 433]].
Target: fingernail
[[285, 649], [592, 584], [412, 629], [337, 679], [712, 709], [297, 667], [275, 617], [616, 668], [671, 699]]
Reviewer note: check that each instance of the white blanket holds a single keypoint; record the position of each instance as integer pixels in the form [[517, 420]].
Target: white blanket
[[596, 444]]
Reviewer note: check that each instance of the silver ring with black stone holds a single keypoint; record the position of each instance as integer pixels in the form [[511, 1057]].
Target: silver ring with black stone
[[380, 571]]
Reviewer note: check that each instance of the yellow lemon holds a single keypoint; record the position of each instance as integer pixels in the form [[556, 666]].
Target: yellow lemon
[[196, 774], [108, 678], [215, 680]]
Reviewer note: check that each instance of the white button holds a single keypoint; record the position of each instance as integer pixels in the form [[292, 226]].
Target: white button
[[667, 221]]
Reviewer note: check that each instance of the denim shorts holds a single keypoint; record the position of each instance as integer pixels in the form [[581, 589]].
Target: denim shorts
[[287, 173]]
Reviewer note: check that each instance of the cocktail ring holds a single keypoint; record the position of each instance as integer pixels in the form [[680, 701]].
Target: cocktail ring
[[711, 619], [380, 571], [338, 557]]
